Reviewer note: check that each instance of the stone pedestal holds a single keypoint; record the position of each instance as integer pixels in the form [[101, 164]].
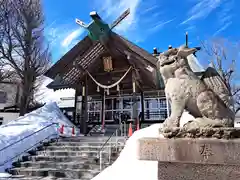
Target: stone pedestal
[[193, 159]]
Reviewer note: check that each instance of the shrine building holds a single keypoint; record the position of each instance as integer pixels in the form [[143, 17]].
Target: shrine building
[[113, 79]]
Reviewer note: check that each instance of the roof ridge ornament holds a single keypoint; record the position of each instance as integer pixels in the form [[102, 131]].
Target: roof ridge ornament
[[99, 29]]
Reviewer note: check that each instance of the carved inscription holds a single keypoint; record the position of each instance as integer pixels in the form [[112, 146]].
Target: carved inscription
[[205, 151]]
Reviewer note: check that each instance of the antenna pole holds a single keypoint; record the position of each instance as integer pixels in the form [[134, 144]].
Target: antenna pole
[[186, 39]]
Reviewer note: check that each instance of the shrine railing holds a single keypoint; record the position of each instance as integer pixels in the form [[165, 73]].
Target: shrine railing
[[109, 144]]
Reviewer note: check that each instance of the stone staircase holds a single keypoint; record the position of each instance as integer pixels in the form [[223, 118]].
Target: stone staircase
[[68, 159]]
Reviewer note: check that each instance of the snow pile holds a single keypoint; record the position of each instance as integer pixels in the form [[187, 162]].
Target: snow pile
[[127, 165], [42, 122]]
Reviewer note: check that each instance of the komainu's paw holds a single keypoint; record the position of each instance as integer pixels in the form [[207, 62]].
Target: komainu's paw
[[203, 123], [170, 123]]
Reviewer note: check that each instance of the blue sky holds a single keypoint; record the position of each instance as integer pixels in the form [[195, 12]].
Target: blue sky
[[152, 23]]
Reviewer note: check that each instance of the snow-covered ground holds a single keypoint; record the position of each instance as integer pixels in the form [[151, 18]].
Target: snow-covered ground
[[41, 122], [127, 166]]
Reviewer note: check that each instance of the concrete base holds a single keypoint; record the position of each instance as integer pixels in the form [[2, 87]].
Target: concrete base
[[188, 159]]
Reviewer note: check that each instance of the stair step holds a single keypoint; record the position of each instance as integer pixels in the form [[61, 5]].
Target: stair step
[[72, 179], [81, 143], [14, 177], [63, 165], [64, 158], [80, 148], [92, 139], [71, 158], [59, 173], [73, 153], [22, 177]]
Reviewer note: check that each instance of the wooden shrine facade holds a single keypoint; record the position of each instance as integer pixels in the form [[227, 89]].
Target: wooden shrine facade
[[110, 79]]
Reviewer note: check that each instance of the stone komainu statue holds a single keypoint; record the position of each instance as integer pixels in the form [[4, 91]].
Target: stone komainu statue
[[207, 98]]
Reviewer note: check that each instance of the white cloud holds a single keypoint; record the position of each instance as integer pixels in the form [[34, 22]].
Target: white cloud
[[222, 28], [62, 36], [72, 36], [225, 14], [150, 9], [138, 24], [202, 9], [113, 9], [161, 25], [224, 17], [191, 28]]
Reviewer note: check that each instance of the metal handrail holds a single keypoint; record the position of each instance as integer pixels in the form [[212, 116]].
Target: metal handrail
[[27, 136], [101, 149], [19, 154], [106, 142]]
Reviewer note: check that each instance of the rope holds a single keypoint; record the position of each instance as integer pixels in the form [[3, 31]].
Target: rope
[[112, 85]]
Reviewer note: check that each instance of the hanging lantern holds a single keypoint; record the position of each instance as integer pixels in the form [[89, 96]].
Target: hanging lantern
[[83, 91], [107, 63], [118, 88], [134, 87], [98, 89]]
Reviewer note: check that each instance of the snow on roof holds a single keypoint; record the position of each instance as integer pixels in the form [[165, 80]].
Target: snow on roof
[[46, 95]]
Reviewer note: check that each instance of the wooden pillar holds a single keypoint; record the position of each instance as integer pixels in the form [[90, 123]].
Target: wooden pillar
[[103, 109], [142, 107], [86, 105], [135, 115], [75, 107], [84, 117], [82, 121]]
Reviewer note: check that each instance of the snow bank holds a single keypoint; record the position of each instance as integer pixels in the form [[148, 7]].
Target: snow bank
[[127, 166], [42, 122]]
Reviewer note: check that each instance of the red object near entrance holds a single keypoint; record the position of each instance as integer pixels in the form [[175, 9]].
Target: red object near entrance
[[130, 130], [73, 131], [61, 130]]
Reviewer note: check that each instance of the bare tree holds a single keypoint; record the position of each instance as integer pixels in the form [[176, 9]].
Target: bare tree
[[223, 55], [22, 45]]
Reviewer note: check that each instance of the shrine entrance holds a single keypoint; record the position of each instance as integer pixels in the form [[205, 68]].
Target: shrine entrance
[[115, 108]]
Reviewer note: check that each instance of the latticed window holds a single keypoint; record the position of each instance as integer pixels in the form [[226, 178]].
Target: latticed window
[[155, 108]]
